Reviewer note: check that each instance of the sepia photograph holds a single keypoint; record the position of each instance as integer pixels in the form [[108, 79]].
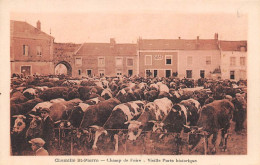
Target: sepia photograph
[[105, 83]]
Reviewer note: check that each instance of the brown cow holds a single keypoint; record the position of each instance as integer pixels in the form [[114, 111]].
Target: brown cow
[[213, 117]]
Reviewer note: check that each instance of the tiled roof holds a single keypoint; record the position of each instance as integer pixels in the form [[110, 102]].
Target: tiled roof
[[177, 44], [233, 45], [20, 28], [96, 49], [106, 49], [65, 48], [126, 49]]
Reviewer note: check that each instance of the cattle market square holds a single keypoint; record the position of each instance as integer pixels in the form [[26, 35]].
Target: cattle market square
[[153, 97]]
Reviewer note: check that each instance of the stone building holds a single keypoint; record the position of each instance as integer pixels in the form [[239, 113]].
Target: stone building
[[31, 50], [34, 52], [63, 59], [199, 58], [157, 57], [110, 59], [188, 58], [233, 60]]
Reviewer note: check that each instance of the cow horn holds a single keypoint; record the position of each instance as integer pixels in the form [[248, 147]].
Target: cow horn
[[127, 122], [15, 116], [161, 124], [201, 128], [95, 127], [57, 122], [152, 121], [187, 126], [32, 115]]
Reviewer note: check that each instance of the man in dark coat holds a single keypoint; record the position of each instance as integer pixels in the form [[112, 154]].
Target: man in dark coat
[[240, 112], [48, 128]]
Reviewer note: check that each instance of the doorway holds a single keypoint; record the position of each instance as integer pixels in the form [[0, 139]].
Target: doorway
[[26, 70], [167, 73]]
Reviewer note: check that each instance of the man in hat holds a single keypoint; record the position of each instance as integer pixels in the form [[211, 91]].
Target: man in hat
[[48, 127], [37, 147]]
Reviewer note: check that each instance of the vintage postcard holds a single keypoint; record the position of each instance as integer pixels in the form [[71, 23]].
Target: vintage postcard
[[129, 82]]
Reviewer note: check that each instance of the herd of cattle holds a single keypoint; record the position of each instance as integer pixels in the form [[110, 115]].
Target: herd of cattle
[[105, 106]]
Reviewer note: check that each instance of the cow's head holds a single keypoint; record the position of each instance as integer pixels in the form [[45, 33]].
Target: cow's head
[[35, 128], [106, 94], [36, 121], [157, 126], [63, 124], [19, 123], [143, 86], [149, 107], [195, 134], [134, 129]]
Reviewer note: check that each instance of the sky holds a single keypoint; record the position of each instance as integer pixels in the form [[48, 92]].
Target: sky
[[127, 27]]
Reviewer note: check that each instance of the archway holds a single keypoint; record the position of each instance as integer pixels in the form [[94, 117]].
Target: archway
[[63, 67]]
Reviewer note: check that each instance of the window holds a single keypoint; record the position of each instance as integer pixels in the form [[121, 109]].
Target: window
[[189, 60], [155, 73], [168, 59], [79, 72], [148, 60], [242, 74], [148, 73], [208, 60], [118, 72], [242, 61], [167, 73], [25, 50], [101, 61], [101, 72], [119, 61], [39, 50], [130, 62], [189, 73], [89, 72], [78, 61], [130, 73], [232, 75], [232, 61], [202, 73]]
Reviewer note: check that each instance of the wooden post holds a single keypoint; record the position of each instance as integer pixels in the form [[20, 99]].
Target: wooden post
[[59, 137], [205, 144], [71, 144]]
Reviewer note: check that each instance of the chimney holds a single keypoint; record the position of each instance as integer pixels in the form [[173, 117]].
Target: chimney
[[216, 36], [197, 42], [38, 25], [112, 42]]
